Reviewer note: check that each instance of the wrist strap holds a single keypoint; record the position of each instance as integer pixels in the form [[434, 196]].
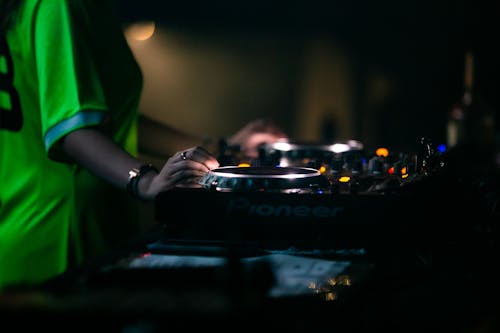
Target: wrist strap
[[135, 176]]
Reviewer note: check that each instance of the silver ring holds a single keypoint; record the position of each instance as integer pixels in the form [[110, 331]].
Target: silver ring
[[184, 155]]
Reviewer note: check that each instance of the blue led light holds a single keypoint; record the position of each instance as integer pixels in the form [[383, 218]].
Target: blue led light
[[441, 148]]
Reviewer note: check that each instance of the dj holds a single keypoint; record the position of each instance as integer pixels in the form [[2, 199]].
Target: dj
[[69, 93]]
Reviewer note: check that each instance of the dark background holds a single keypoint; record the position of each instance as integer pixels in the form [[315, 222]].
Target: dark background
[[420, 43]]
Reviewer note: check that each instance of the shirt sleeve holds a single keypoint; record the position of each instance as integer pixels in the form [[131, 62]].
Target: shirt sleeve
[[71, 94]]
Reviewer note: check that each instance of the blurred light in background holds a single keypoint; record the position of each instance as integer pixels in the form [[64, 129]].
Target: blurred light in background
[[140, 31]]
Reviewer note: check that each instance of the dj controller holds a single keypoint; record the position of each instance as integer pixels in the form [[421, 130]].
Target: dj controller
[[324, 196]]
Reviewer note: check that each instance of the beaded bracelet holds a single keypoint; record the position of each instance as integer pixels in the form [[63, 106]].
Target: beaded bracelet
[[135, 176]]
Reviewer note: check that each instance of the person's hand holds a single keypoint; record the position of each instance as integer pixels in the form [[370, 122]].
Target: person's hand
[[254, 134], [183, 169]]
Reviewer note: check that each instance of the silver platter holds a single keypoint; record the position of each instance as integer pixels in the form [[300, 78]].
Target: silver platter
[[265, 179]]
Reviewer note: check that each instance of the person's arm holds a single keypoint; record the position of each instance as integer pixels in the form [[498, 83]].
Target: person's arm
[[95, 151]]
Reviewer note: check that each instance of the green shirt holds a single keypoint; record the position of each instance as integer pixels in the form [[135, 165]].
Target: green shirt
[[64, 65]]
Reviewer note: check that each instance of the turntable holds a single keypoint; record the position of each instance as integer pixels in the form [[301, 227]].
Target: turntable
[[266, 179]]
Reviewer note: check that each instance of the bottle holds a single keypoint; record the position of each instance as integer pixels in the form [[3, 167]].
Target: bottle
[[471, 123]]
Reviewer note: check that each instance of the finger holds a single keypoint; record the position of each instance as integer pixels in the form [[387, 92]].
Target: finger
[[202, 156], [187, 166], [186, 175], [192, 182], [176, 163], [183, 155]]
